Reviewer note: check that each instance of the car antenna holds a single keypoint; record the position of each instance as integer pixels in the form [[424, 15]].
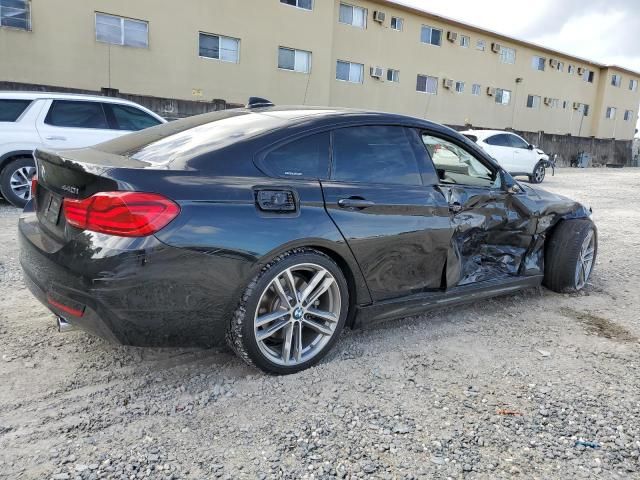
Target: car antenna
[[257, 102]]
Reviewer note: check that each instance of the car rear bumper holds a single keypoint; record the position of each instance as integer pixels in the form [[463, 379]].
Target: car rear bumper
[[140, 293]]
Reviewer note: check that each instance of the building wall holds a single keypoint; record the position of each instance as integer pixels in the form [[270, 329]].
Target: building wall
[[61, 50]]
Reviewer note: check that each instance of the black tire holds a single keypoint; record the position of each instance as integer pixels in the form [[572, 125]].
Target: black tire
[[5, 180], [539, 173], [240, 333], [563, 252]]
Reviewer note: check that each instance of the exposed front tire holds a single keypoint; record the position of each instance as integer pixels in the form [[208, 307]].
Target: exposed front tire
[[15, 181], [539, 173], [570, 255], [291, 314]]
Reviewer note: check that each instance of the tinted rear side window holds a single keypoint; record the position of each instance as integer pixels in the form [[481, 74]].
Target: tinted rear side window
[[131, 118], [73, 114], [10, 110], [376, 154], [499, 141], [307, 158]]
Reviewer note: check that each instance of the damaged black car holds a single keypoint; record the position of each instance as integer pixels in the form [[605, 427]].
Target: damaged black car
[[276, 227]]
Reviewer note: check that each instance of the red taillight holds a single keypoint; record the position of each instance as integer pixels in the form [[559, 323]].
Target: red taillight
[[34, 186], [125, 214]]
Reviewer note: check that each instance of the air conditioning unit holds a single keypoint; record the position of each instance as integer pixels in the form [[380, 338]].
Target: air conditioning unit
[[576, 105], [377, 72], [379, 17], [496, 47], [548, 101], [447, 83], [553, 62], [452, 36], [581, 71], [491, 91]]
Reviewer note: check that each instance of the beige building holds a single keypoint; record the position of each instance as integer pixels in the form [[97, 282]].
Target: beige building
[[372, 54]]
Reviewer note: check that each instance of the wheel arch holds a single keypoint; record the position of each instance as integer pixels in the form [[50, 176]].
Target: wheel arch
[[14, 155]]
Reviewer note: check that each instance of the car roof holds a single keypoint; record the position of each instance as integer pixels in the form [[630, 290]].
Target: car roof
[[23, 95], [482, 134]]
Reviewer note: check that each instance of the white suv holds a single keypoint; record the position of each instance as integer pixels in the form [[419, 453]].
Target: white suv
[[30, 120], [513, 153]]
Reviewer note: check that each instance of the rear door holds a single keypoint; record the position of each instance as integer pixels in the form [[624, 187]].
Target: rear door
[[381, 195], [499, 147], [74, 124]]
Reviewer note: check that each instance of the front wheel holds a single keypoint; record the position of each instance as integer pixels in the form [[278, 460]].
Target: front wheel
[[15, 181], [291, 314], [570, 255], [539, 173]]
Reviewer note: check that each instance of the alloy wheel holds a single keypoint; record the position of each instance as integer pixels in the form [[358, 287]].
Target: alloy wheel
[[297, 314], [539, 173], [20, 182], [585, 260]]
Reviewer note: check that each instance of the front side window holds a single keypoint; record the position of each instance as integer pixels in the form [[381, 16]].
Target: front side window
[[456, 166], [460, 87], [76, 114], [377, 154], [475, 89], [427, 84], [431, 36], [15, 14], [121, 31], [633, 85], [533, 101], [507, 55], [294, 60], [538, 63], [226, 49], [307, 158], [131, 118], [517, 142], [616, 80], [397, 23], [354, 16], [503, 97], [10, 110], [611, 113], [350, 72], [304, 4], [393, 75]]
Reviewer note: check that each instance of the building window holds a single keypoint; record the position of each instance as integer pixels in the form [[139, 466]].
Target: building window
[[616, 80], [503, 97], [226, 49], [464, 41], [294, 60], [15, 14], [122, 31], [571, 69], [533, 101], [585, 110], [475, 89], [628, 115], [354, 16], [507, 55], [555, 103], [393, 75], [611, 113], [589, 76], [304, 4], [565, 104], [560, 66], [460, 87], [427, 84], [397, 23], [350, 72], [431, 36], [481, 45], [538, 63], [633, 85]]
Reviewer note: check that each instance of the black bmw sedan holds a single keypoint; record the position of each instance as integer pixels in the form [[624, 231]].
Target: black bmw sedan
[[276, 227]]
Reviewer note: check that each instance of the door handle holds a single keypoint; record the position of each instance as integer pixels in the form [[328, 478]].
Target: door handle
[[358, 203], [55, 137]]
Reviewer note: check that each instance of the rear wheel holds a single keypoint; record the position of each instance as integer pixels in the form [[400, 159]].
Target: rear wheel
[[539, 173], [570, 256], [15, 181], [291, 314]]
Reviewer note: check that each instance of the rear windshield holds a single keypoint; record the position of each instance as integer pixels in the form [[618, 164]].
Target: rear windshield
[[190, 137], [10, 110]]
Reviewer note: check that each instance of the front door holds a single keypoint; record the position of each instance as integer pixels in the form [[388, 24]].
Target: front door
[[490, 234], [382, 197]]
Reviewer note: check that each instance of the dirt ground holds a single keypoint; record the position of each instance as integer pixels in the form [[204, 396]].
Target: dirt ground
[[533, 385]]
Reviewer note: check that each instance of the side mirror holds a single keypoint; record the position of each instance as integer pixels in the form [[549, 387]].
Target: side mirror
[[509, 183], [531, 147]]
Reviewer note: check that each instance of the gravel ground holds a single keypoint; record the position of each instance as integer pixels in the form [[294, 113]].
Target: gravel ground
[[535, 385]]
